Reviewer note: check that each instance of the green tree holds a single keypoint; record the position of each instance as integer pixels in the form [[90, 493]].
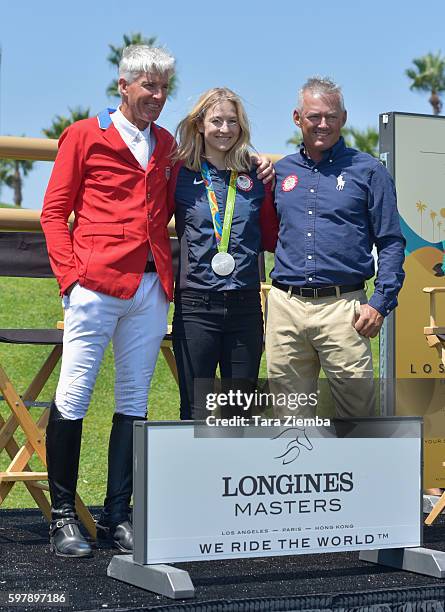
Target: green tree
[[429, 75], [296, 139], [115, 55], [366, 140], [60, 122], [12, 173]]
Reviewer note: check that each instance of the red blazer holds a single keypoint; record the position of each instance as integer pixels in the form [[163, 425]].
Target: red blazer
[[120, 210]]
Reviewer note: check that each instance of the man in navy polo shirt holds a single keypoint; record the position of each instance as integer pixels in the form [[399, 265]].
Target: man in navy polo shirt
[[333, 205]]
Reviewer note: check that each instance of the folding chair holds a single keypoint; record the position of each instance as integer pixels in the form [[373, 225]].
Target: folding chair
[[435, 337], [23, 254]]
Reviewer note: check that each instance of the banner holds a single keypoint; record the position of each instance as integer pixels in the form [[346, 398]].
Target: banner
[[255, 491], [413, 149]]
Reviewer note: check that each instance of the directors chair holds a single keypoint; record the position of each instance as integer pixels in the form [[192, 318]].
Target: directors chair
[[23, 254], [435, 337]]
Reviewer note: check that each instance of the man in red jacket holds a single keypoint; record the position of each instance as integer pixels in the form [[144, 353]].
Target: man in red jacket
[[115, 275]]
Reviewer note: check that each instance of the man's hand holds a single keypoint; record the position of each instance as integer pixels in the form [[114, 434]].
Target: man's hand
[[265, 170], [369, 322]]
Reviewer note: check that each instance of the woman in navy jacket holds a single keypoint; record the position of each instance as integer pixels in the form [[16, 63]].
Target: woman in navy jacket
[[218, 319]]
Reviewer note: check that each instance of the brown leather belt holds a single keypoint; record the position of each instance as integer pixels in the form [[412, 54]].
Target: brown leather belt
[[318, 292]]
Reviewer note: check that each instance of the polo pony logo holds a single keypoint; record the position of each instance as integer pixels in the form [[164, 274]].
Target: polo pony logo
[[340, 182]]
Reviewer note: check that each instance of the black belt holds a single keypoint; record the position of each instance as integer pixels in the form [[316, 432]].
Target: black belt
[[318, 292], [150, 266]]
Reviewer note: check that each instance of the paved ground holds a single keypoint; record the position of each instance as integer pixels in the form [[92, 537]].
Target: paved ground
[[26, 565]]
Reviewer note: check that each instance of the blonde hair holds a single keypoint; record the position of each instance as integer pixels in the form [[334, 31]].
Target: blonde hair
[[191, 141]]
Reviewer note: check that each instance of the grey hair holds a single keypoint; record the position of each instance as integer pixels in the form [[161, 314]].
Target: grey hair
[[322, 86], [138, 59]]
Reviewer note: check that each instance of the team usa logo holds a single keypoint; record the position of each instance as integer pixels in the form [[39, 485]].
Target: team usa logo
[[244, 182], [167, 172], [289, 183]]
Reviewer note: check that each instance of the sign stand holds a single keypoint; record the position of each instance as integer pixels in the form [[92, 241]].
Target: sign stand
[[161, 579], [418, 560], [429, 502], [301, 467]]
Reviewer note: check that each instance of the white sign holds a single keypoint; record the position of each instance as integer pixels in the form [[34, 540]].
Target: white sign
[[279, 492]]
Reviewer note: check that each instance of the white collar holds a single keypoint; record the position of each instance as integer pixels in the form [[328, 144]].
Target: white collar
[[131, 131]]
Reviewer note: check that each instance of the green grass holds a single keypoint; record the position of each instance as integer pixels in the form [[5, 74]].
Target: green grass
[[35, 303]]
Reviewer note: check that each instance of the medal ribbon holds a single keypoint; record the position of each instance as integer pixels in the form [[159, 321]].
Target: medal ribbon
[[222, 236]]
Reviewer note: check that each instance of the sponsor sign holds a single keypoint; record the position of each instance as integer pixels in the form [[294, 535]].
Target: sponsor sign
[[278, 491], [413, 150]]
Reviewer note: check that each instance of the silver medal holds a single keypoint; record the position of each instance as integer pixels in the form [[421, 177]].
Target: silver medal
[[223, 264]]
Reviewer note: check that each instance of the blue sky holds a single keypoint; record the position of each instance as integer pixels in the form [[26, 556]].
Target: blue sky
[[54, 56]]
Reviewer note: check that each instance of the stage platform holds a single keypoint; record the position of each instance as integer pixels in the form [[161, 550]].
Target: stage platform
[[307, 582]]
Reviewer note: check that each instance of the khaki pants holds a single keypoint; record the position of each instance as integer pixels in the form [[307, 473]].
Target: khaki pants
[[304, 334]]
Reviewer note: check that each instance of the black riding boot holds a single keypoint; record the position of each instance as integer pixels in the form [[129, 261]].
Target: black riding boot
[[114, 524], [63, 438]]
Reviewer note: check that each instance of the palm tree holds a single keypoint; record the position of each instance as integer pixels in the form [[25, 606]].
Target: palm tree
[[295, 140], [12, 172], [421, 207], [115, 55], [439, 225], [60, 122], [366, 140], [433, 215], [429, 75]]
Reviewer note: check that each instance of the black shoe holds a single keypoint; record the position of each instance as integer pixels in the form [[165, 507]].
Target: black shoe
[[119, 536], [66, 539]]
